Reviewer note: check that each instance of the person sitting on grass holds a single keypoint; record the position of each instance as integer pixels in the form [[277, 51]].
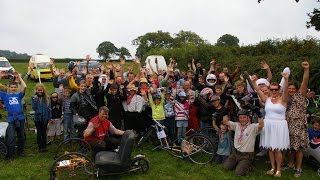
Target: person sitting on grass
[[244, 139], [12, 101], [96, 134]]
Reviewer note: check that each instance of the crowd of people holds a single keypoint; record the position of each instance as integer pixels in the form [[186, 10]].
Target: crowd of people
[[98, 104]]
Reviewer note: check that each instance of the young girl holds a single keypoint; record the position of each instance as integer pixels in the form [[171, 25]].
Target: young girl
[[54, 125], [224, 145], [42, 114], [181, 108]]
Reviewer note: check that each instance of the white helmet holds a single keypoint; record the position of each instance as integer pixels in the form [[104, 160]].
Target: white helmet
[[182, 93], [206, 93], [209, 77]]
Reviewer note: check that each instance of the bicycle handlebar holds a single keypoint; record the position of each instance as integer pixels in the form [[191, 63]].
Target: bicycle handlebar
[[158, 124]]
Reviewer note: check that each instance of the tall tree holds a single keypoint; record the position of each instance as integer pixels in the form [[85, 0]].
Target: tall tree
[[123, 52], [106, 49], [152, 40], [185, 37], [228, 40]]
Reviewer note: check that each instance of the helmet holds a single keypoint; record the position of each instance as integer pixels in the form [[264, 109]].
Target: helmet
[[156, 96], [182, 93], [209, 77], [206, 93], [71, 65], [243, 112]]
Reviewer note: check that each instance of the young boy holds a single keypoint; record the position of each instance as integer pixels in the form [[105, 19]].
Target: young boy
[[12, 101], [224, 145]]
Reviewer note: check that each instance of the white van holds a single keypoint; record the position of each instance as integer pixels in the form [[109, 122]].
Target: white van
[[6, 67], [40, 64], [161, 63]]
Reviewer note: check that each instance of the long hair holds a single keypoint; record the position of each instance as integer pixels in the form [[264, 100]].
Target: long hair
[[39, 85]]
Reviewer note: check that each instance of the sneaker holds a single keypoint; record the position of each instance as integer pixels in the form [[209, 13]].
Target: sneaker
[[270, 172], [298, 173], [287, 167], [261, 153]]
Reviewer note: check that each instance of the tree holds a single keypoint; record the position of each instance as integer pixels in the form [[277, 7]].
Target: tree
[[314, 19], [152, 40], [185, 37], [106, 49], [228, 40], [313, 16], [123, 52]]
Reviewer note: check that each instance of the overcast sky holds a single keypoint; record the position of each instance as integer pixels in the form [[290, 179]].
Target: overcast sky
[[74, 28]]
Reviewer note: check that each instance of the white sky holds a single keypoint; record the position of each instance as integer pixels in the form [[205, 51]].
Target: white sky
[[74, 28]]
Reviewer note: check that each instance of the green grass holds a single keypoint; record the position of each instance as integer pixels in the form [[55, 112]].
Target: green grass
[[162, 164]]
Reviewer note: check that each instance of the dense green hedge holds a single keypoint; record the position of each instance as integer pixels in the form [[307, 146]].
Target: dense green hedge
[[278, 54]]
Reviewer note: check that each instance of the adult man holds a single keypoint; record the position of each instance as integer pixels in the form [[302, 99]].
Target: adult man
[[244, 139], [97, 131]]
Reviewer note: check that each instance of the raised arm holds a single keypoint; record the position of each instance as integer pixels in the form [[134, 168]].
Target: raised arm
[[266, 67], [284, 95], [306, 73], [23, 84], [254, 85]]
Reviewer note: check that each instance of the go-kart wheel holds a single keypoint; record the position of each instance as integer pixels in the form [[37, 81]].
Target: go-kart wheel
[[73, 145], [3, 149], [140, 164], [72, 166]]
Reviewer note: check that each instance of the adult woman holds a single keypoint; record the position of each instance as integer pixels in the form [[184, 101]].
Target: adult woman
[[297, 120], [275, 135]]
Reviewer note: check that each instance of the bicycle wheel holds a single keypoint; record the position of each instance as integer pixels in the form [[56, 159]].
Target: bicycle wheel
[[210, 132], [140, 164], [145, 137], [73, 145], [200, 149], [72, 166], [3, 149]]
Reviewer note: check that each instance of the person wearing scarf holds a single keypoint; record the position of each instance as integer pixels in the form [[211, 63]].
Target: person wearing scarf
[[244, 139]]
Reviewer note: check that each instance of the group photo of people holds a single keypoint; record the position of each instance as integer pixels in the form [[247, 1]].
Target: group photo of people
[[252, 116]]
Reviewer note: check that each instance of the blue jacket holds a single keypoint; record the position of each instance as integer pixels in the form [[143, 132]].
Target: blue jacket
[[42, 111]]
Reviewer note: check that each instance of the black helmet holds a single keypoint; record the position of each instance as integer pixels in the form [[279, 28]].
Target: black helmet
[[71, 65], [243, 112]]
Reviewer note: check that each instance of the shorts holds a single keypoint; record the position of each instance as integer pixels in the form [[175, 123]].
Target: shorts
[[54, 127]]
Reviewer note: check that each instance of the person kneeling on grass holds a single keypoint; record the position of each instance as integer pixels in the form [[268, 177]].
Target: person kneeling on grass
[[96, 134], [244, 140]]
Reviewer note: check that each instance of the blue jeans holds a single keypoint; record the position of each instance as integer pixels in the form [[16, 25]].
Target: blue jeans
[[12, 133], [68, 126]]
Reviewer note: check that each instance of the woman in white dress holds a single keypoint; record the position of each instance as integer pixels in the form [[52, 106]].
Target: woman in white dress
[[275, 135]]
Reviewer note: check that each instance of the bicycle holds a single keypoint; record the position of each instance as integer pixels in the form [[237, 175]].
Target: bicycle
[[197, 147]]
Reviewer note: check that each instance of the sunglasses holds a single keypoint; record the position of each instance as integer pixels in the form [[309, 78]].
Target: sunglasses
[[274, 89]]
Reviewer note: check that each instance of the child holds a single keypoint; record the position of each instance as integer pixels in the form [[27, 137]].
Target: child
[[181, 108], [169, 114], [12, 101], [224, 145], [54, 125], [42, 114], [65, 97], [157, 106], [314, 133]]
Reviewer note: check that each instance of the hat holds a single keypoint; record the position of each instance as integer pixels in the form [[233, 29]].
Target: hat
[[143, 80], [262, 81], [215, 97], [132, 88], [182, 93], [243, 112]]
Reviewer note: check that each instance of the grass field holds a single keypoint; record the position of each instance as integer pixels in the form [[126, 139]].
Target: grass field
[[162, 164]]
